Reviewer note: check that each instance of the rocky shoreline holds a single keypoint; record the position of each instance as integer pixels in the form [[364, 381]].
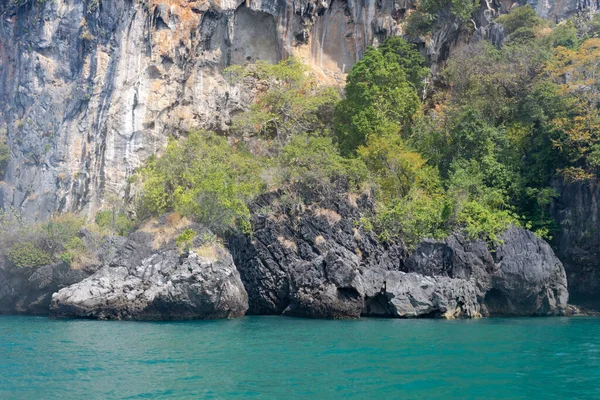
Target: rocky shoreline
[[317, 262]]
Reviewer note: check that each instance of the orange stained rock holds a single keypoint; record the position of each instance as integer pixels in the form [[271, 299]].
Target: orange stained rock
[[181, 8]]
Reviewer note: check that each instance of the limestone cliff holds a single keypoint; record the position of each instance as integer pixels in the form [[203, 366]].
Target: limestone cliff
[[558, 10], [577, 211], [90, 88]]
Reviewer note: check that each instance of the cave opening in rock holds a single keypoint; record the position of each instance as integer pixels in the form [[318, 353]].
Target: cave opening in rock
[[255, 37], [496, 301]]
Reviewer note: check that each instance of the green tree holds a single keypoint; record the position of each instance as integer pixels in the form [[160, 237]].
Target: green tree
[[292, 102], [521, 25], [575, 130], [204, 178], [379, 100], [313, 163], [409, 59], [411, 200]]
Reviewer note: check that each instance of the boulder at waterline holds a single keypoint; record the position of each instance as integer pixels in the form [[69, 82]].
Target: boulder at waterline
[[29, 290], [336, 285], [521, 277], [150, 279], [530, 279], [317, 260]]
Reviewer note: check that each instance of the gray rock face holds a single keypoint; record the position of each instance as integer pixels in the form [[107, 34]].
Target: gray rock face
[[288, 240], [558, 10], [409, 295], [523, 276], [29, 290], [530, 279], [335, 285], [577, 211], [321, 264], [90, 89], [148, 283], [331, 286]]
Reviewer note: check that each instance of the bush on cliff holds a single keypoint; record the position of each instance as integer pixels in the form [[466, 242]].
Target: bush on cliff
[[478, 156], [114, 221], [290, 102], [32, 245], [27, 254], [204, 178], [313, 163], [379, 100]]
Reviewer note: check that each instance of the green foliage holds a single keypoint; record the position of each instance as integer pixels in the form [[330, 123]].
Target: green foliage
[[395, 168], [462, 9], [420, 21], [521, 25], [412, 203], [61, 231], [315, 164], [565, 35], [292, 103], [480, 205], [413, 217], [483, 222], [27, 254], [204, 178], [114, 221], [67, 257], [574, 129], [418, 24], [479, 156], [185, 238], [34, 244], [407, 56], [379, 98]]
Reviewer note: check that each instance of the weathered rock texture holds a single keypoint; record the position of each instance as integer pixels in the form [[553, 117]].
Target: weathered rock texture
[[529, 280], [29, 290], [317, 261], [522, 277], [148, 279], [577, 211], [558, 10], [90, 88]]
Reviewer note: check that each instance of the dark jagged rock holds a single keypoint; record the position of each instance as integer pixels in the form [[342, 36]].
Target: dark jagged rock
[[577, 212], [317, 261], [523, 277], [149, 279], [454, 257], [530, 279], [328, 287], [409, 295], [29, 290], [287, 236], [335, 285]]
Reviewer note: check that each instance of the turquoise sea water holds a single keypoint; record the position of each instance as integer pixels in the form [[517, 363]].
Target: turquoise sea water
[[284, 358]]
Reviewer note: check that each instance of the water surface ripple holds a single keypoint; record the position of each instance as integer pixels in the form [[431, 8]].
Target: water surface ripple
[[285, 358]]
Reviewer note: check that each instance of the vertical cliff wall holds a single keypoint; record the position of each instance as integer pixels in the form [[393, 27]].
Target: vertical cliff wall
[[558, 10], [90, 88], [577, 211]]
